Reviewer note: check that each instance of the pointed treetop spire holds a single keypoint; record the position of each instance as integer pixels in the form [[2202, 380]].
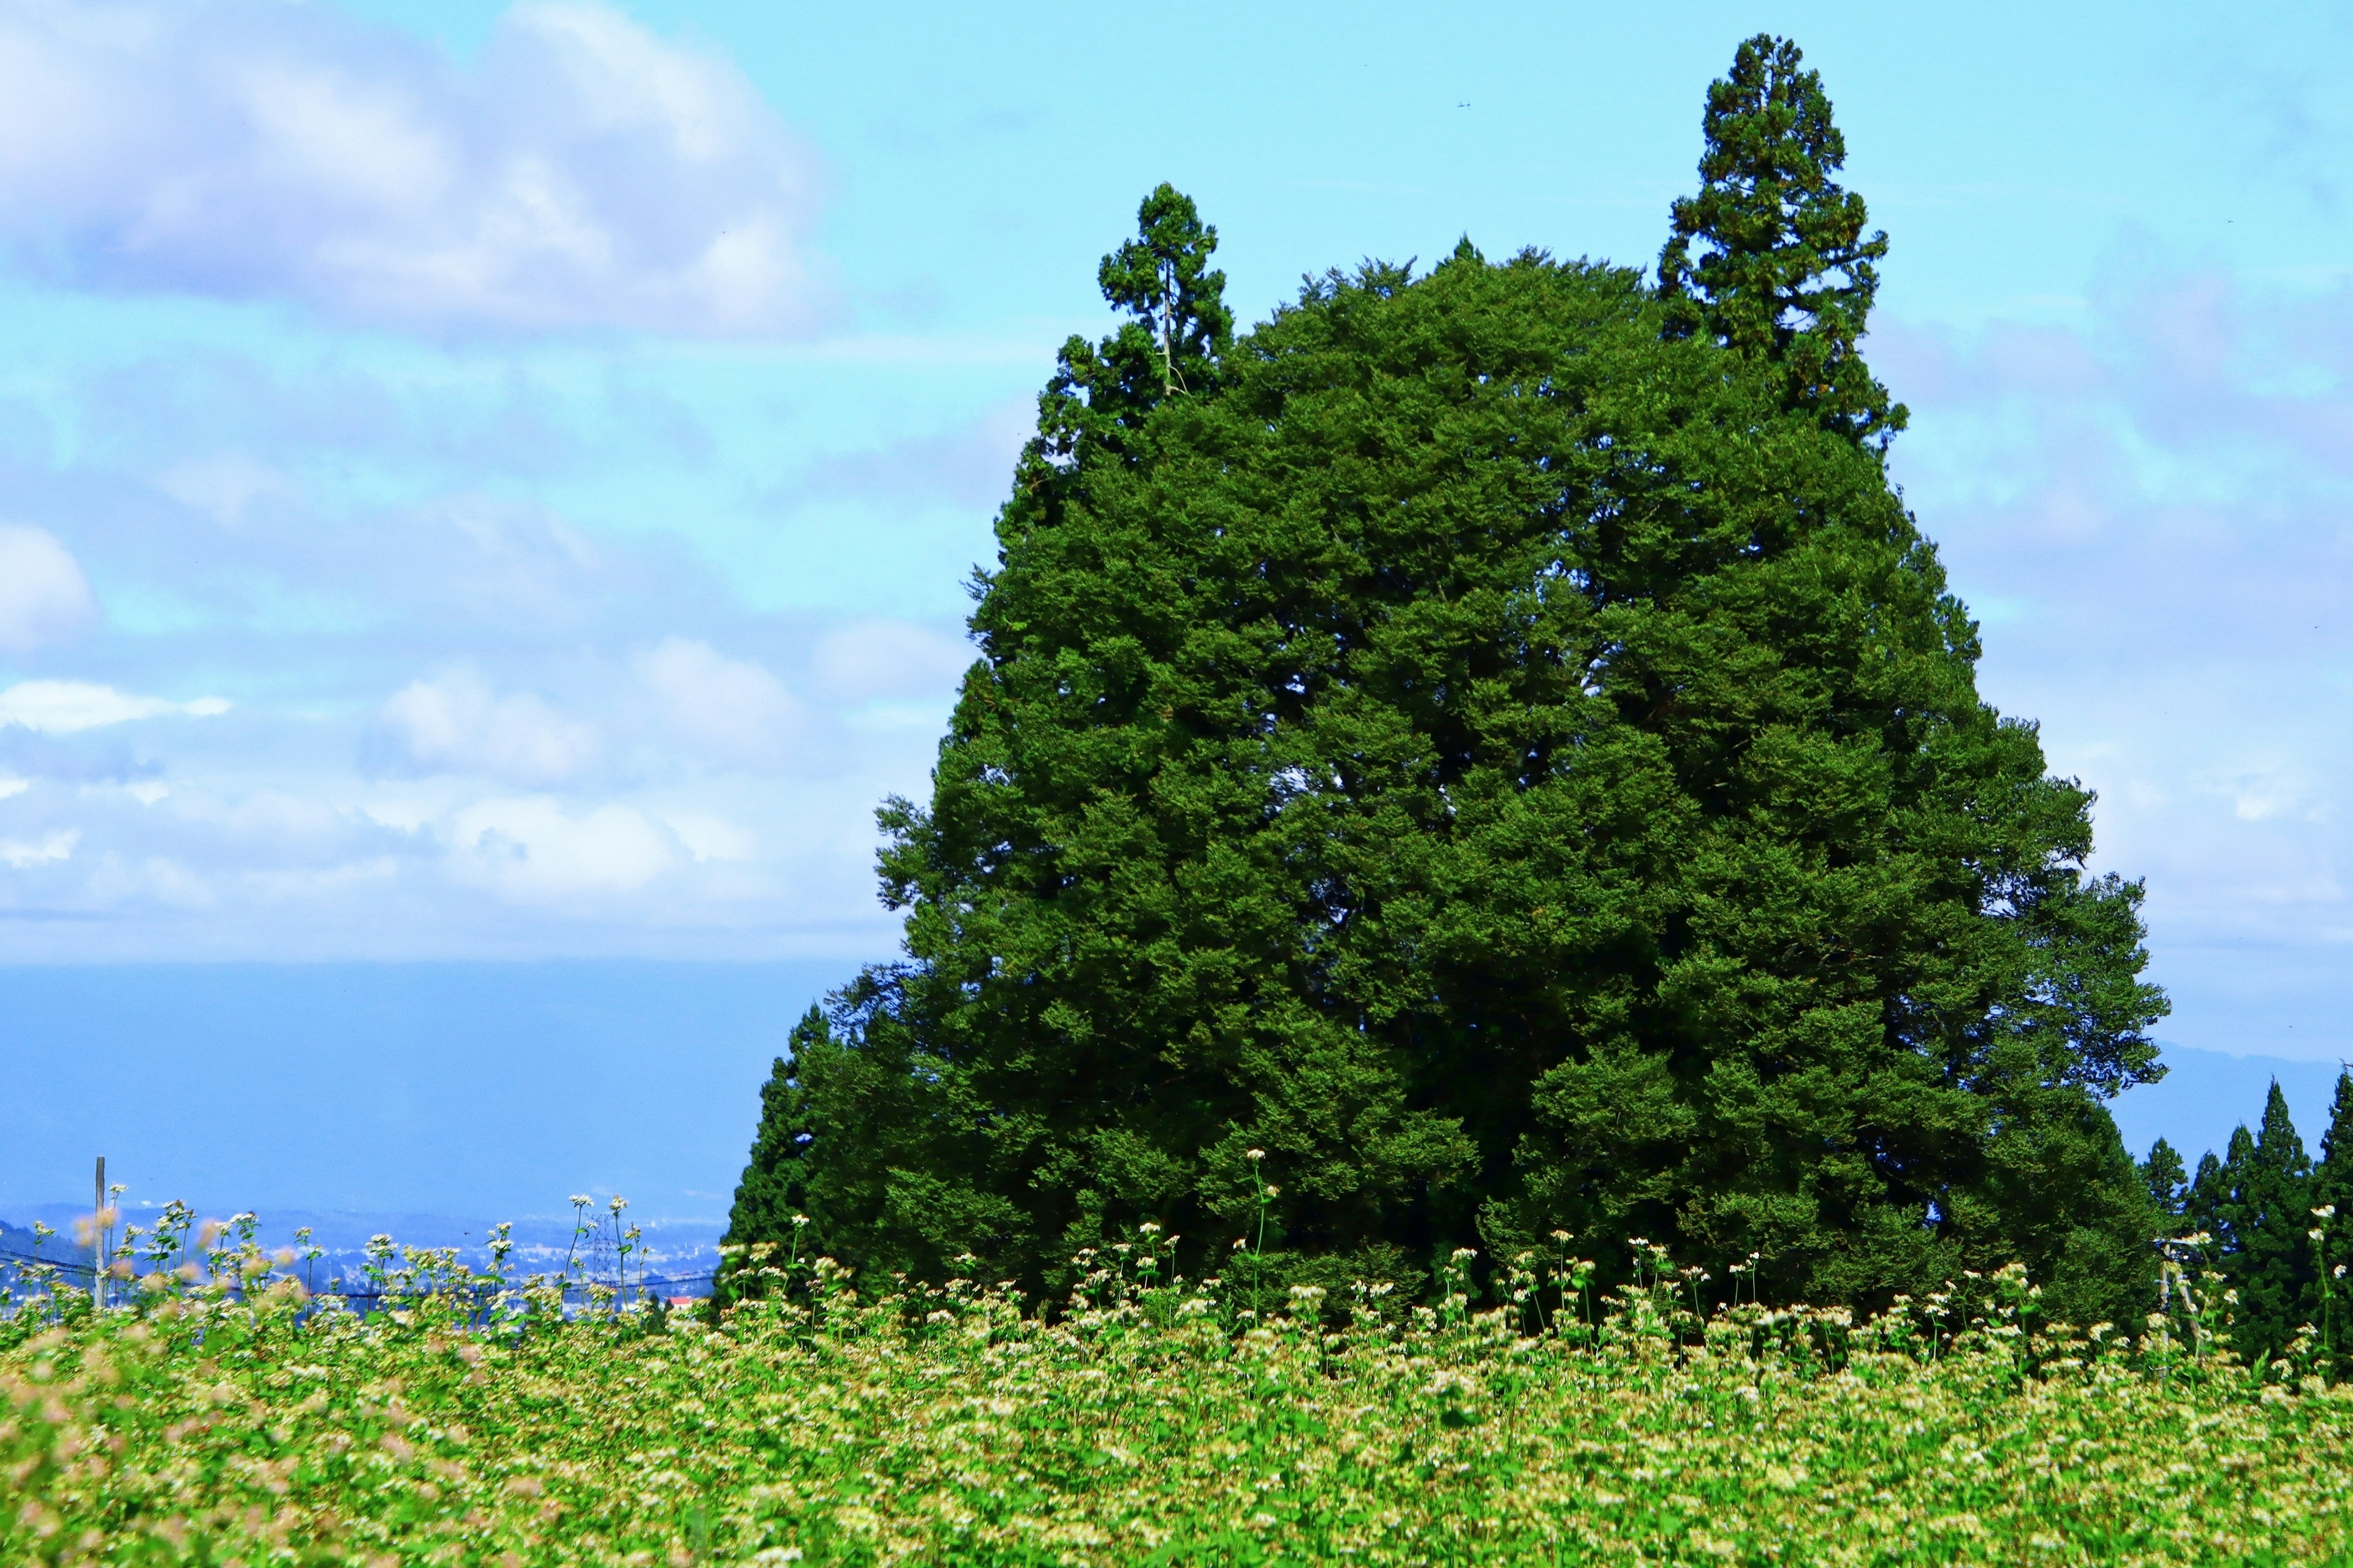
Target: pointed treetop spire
[[2277, 1143], [1162, 277], [2337, 1143], [1178, 328], [1769, 257]]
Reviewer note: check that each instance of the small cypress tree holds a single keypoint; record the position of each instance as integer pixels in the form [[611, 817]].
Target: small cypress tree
[[2209, 1195], [2332, 1196], [2281, 1274], [2168, 1185], [775, 1186], [2256, 1203]]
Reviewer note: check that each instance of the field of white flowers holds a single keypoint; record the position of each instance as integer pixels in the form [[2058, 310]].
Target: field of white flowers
[[232, 1418]]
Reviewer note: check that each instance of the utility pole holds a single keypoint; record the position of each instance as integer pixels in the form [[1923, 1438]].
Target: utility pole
[[98, 1240]]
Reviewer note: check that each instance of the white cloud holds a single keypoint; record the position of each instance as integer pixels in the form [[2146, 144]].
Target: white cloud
[[20, 853], [64, 707], [43, 595], [727, 708], [709, 837], [457, 724], [226, 486], [582, 173], [535, 848], [882, 658]]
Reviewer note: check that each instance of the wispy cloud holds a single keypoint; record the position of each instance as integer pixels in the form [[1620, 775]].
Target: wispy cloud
[[583, 172], [66, 707], [43, 595], [19, 853], [458, 722], [731, 709], [2161, 504]]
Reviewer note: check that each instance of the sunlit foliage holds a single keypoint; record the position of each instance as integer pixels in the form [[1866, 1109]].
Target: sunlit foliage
[[1149, 1420]]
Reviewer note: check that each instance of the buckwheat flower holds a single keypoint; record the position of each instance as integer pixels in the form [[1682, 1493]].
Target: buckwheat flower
[[1561, 1236], [801, 1219], [2326, 1211], [1273, 1191], [581, 1200], [1147, 1228], [2315, 1233], [1462, 1252], [617, 1204], [1254, 1154]]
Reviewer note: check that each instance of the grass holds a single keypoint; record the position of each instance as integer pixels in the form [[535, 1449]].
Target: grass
[[236, 1420]]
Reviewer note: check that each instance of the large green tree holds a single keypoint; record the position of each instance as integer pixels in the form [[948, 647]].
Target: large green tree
[[1509, 760]]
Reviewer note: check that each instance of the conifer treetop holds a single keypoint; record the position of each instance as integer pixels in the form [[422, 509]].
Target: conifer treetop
[[1770, 257], [1178, 329], [1163, 278]]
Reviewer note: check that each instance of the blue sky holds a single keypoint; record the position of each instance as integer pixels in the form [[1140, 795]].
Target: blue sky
[[486, 482]]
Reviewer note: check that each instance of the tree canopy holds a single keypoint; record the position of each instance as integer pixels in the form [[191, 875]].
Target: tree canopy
[[1502, 751]]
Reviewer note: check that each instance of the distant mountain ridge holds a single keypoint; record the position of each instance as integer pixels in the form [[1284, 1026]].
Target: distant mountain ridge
[[2205, 1094]]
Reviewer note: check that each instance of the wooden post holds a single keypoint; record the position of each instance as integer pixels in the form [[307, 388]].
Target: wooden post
[[98, 1243]]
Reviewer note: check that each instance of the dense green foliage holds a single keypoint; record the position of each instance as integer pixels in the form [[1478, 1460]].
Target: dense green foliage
[[1494, 745], [1144, 1422]]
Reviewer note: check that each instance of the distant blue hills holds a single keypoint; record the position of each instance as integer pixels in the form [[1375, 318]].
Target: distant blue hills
[[2205, 1094]]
